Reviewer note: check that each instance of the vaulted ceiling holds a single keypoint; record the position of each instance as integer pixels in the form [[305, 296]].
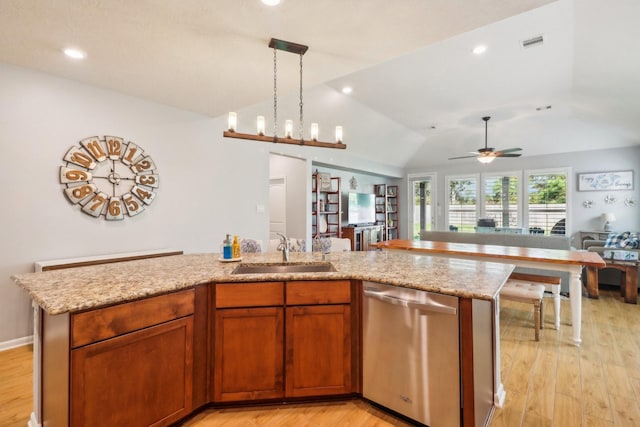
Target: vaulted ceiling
[[418, 91]]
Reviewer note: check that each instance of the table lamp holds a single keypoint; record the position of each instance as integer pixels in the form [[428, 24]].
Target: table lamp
[[608, 218]]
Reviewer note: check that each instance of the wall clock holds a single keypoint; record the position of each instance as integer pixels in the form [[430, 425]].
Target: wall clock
[[109, 177]]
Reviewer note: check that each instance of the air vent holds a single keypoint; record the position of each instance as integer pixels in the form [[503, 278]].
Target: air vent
[[533, 41]]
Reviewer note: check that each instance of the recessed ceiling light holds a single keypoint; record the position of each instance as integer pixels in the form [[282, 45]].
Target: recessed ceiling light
[[271, 2], [347, 90], [74, 53], [480, 49]]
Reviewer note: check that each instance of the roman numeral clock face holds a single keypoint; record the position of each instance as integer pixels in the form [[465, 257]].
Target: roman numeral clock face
[[108, 177]]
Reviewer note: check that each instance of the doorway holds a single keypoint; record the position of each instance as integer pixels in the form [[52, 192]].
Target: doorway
[[421, 208], [277, 207]]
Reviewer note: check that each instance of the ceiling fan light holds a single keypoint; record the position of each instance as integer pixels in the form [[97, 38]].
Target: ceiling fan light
[[486, 159]]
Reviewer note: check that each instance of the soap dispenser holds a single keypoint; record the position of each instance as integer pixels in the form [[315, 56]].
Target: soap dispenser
[[226, 248], [235, 248]]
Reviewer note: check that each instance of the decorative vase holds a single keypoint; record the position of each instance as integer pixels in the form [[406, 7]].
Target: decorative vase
[[322, 224]]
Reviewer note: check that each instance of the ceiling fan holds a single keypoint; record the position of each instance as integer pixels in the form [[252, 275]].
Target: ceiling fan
[[487, 154]]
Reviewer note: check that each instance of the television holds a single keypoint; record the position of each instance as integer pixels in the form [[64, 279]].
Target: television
[[361, 208]]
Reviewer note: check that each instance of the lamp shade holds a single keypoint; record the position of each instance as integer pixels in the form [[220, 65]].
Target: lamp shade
[[609, 217], [486, 159]]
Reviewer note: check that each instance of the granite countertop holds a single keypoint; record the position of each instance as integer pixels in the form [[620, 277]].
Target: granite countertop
[[81, 288]]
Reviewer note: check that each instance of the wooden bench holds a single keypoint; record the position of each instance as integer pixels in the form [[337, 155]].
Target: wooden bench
[[529, 288]]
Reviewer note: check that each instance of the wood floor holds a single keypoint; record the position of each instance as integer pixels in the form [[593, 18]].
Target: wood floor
[[16, 388], [548, 383]]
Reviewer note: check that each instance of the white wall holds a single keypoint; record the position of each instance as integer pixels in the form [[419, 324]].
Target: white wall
[[617, 159], [209, 186]]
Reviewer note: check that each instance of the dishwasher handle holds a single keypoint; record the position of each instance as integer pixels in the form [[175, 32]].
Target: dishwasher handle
[[429, 306]]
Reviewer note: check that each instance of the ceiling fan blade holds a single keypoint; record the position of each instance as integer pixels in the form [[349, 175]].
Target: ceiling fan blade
[[509, 150], [462, 157], [487, 154]]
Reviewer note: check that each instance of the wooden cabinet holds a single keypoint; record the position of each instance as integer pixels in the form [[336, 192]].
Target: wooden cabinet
[[387, 210], [248, 354], [131, 364], [254, 358], [326, 206], [318, 338], [249, 342], [318, 356], [362, 237]]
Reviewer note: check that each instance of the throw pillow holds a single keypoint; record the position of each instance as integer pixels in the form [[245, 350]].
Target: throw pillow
[[631, 242], [321, 244], [249, 246], [298, 245], [614, 240]]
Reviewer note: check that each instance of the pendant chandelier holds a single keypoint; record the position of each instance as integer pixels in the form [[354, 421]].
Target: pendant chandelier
[[288, 138]]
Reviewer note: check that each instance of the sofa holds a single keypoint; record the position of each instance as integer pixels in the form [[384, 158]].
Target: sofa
[[506, 239]]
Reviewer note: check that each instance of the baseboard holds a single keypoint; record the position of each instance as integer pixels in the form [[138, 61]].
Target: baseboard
[[33, 421], [18, 342]]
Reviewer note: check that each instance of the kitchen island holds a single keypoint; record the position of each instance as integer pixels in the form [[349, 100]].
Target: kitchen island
[[175, 311]]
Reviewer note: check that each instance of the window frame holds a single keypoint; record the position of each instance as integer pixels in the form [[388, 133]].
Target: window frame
[[519, 205], [569, 185], [447, 180]]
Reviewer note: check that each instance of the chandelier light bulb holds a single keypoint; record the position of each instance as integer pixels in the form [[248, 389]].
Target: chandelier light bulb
[[314, 131], [260, 125], [288, 128], [232, 122], [338, 133]]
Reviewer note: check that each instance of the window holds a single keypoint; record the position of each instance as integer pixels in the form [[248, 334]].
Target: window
[[462, 209], [422, 213], [546, 207], [501, 199]]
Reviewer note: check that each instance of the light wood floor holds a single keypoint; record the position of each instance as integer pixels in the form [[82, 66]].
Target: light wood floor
[[16, 388], [548, 383]]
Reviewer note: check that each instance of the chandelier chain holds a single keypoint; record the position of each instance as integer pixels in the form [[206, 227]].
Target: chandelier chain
[[301, 112], [275, 95]]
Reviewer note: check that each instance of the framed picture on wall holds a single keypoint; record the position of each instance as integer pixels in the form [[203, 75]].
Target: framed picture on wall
[[325, 181], [605, 181]]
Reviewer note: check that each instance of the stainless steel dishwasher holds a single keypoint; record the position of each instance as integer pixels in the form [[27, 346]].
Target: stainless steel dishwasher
[[411, 358]]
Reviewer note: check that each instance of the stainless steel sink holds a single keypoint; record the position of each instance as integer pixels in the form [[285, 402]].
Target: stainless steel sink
[[289, 267]]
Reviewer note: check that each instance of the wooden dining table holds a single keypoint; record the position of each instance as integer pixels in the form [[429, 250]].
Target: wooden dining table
[[556, 260]]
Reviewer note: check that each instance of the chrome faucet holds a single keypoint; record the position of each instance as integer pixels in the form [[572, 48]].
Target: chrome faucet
[[285, 247]]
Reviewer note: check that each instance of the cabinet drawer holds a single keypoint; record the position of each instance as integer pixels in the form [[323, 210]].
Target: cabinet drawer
[[319, 292], [103, 323], [261, 294]]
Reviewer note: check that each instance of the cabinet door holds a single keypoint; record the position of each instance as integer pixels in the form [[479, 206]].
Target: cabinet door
[[318, 352], [248, 354], [143, 378]]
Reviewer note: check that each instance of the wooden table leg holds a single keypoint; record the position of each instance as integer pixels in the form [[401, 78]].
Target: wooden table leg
[[631, 285], [592, 282]]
